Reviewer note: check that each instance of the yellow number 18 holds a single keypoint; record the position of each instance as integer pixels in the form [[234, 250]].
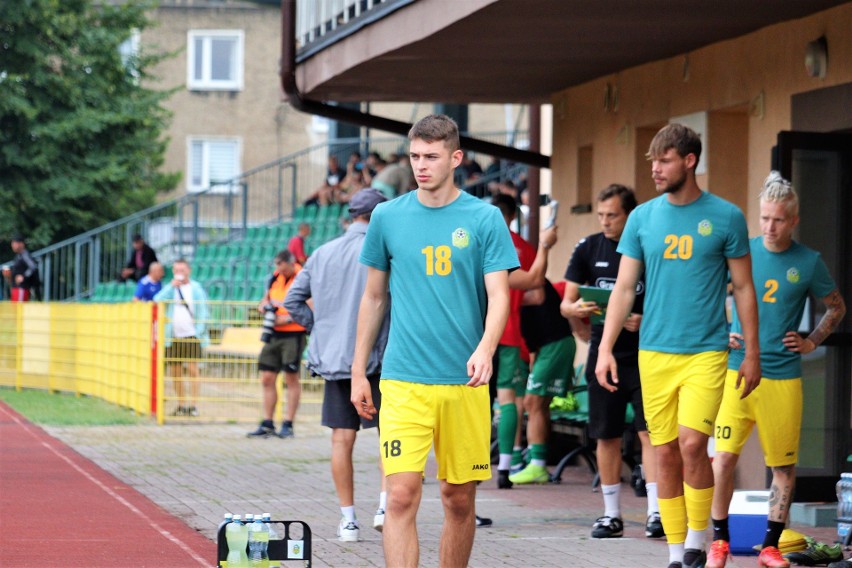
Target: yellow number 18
[[438, 260]]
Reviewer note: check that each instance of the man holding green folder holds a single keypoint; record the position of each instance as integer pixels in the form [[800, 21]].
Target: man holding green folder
[[590, 276]]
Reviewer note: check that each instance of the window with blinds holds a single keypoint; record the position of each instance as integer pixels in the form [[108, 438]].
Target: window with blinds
[[212, 162], [215, 60]]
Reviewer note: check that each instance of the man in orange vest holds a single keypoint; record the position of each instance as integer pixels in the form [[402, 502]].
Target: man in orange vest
[[282, 350]]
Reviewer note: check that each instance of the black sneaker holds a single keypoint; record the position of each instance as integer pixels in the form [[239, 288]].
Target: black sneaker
[[654, 526], [192, 411], [264, 430], [286, 431], [180, 411], [483, 522], [841, 564], [637, 482], [503, 479], [607, 527], [694, 558]]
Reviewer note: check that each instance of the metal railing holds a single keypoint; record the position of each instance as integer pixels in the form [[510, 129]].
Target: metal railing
[[270, 193], [321, 22]]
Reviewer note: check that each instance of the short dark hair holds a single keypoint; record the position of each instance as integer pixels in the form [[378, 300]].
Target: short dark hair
[[506, 204], [284, 256], [682, 138], [624, 194], [137, 237], [437, 127]]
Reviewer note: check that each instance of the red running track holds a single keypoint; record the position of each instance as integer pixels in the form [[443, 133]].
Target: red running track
[[57, 508]]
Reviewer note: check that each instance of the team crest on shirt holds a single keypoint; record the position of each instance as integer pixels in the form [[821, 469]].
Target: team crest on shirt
[[461, 238], [793, 275], [705, 228]]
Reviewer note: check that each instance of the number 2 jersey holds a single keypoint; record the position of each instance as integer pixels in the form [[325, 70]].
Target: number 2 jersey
[[437, 258], [782, 281], [685, 250]]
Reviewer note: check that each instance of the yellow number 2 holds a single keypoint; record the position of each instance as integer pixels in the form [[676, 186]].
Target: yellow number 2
[[771, 287], [678, 247], [438, 260]]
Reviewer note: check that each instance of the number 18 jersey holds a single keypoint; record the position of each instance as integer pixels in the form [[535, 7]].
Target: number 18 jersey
[[685, 250], [437, 258]]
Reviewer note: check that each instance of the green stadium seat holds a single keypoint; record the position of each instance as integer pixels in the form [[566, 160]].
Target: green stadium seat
[[216, 291], [305, 213], [256, 292]]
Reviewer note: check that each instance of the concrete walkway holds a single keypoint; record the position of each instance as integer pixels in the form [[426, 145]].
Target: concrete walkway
[[199, 472]]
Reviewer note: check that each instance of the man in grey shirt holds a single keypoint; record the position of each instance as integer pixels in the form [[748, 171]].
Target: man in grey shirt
[[335, 280]]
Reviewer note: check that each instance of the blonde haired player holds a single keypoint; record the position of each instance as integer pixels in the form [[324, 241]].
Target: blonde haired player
[[784, 273]]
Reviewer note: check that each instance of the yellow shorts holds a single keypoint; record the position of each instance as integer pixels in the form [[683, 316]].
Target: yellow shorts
[[681, 390], [776, 407], [455, 417]]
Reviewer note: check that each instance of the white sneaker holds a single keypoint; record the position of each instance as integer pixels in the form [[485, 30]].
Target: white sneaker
[[379, 520], [347, 531]]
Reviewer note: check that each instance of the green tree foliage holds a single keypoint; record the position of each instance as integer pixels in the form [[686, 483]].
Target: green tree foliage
[[81, 136]]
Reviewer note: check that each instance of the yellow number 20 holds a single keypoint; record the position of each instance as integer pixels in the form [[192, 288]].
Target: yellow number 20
[[438, 260], [771, 287], [678, 247]]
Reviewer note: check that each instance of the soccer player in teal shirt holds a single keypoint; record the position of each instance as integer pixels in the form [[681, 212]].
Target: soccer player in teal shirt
[[686, 241], [444, 256], [785, 273]]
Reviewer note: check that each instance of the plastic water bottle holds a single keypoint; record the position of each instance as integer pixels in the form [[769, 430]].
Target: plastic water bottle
[[267, 520], [228, 518], [236, 533], [258, 542], [844, 506]]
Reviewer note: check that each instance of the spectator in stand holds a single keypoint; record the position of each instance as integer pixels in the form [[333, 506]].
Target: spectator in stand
[[140, 260], [186, 334], [351, 184], [334, 173], [470, 167], [493, 168], [23, 276], [296, 246], [394, 179], [324, 194], [151, 284]]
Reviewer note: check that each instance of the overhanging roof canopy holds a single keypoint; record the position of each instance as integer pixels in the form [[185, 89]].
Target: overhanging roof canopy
[[522, 50]]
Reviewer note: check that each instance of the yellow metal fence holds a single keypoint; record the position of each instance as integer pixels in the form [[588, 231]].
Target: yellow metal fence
[[118, 352]]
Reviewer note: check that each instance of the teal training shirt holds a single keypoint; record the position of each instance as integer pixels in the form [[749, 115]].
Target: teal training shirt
[[685, 250], [437, 259], [782, 281]]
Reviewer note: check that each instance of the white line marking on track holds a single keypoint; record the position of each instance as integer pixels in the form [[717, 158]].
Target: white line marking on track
[[179, 543]]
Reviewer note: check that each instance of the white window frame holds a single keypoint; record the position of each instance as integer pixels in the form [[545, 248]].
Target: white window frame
[[129, 49], [206, 83], [205, 161]]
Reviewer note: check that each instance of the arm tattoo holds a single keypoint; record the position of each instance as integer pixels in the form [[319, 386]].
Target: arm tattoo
[[835, 311]]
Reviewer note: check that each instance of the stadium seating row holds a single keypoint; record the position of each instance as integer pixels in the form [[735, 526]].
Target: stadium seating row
[[237, 270]]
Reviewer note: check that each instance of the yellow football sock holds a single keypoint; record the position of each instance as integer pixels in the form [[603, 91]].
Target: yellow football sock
[[673, 515], [698, 503]]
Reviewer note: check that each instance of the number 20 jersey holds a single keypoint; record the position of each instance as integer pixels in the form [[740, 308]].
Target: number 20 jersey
[[437, 258], [685, 250]]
